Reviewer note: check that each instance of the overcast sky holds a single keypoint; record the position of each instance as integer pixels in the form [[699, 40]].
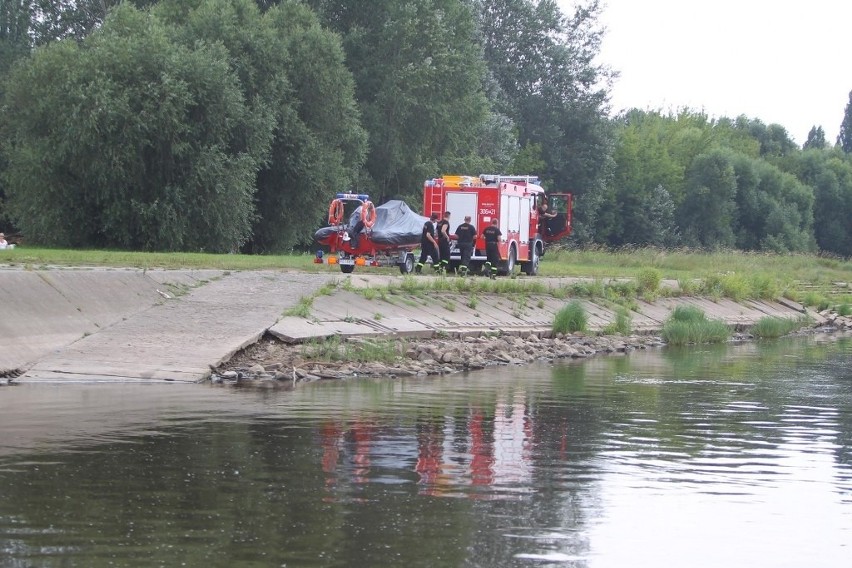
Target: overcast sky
[[782, 61]]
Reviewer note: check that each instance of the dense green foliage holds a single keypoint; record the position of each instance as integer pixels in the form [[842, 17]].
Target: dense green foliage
[[690, 180], [201, 125], [228, 124]]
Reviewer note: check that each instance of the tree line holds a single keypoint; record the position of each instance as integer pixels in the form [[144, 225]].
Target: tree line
[[226, 125]]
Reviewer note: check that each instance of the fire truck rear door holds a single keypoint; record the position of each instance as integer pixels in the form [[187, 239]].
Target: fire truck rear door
[[559, 226], [461, 204]]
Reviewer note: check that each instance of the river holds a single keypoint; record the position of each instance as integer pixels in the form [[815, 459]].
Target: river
[[736, 455]]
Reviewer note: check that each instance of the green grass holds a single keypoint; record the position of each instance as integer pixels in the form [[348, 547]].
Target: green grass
[[771, 327], [363, 350], [844, 309], [735, 274], [815, 300], [769, 274], [623, 324], [24, 255], [571, 318], [688, 324], [302, 309]]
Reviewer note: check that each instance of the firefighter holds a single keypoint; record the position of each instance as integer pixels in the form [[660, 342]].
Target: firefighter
[[444, 242], [466, 235], [492, 236], [543, 217], [428, 244]]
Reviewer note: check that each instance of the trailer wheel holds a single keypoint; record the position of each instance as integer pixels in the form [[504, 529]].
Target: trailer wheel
[[347, 268], [531, 267], [407, 266]]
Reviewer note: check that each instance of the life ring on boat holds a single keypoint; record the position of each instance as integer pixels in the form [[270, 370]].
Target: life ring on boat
[[335, 212], [369, 214]]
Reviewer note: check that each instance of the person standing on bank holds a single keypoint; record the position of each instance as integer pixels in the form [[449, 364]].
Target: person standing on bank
[[466, 235], [444, 241], [492, 236], [428, 244]]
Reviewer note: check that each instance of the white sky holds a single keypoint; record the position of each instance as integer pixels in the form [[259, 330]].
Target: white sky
[[782, 61]]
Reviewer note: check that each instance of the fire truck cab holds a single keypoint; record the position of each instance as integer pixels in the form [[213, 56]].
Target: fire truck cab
[[515, 201]]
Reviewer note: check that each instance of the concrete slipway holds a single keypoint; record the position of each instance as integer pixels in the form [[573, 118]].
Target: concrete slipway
[[65, 324]]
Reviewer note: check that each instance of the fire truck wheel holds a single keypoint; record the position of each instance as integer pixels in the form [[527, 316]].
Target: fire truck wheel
[[531, 267], [510, 262], [347, 268]]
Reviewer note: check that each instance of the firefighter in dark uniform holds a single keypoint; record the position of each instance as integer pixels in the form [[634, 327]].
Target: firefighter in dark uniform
[[444, 241], [492, 236], [466, 235], [428, 244], [543, 217]]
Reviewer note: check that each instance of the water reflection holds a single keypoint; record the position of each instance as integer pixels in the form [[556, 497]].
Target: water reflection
[[726, 456]]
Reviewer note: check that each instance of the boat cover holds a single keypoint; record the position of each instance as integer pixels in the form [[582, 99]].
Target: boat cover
[[396, 224]]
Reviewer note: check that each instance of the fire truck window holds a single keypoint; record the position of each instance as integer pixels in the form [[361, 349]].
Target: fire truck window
[[558, 204]]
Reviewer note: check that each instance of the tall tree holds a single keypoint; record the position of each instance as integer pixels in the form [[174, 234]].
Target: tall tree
[[555, 91], [830, 176], [420, 80], [816, 139], [293, 77], [129, 140], [844, 139], [707, 212]]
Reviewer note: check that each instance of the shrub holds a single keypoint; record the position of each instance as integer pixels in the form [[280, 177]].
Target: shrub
[[736, 287], [771, 327], [688, 286], [570, 318], [688, 324], [814, 299], [712, 287], [844, 309], [648, 280], [764, 287]]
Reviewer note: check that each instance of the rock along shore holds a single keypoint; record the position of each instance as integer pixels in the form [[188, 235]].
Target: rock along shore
[[273, 364]]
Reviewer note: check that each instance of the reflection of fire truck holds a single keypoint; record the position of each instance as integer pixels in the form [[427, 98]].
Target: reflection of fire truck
[[515, 202]]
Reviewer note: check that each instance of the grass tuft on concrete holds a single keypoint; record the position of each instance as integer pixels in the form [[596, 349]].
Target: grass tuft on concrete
[[771, 327], [689, 324], [623, 324], [571, 318]]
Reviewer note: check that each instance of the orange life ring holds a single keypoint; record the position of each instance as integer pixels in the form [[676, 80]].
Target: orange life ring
[[369, 214], [335, 212]]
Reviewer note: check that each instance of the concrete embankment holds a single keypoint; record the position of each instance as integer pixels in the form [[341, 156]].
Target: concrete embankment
[[121, 325], [445, 313]]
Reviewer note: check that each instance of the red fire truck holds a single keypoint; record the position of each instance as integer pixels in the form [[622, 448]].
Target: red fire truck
[[515, 202]]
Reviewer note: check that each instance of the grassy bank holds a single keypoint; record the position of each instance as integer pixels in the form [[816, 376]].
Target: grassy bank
[[739, 275], [44, 257]]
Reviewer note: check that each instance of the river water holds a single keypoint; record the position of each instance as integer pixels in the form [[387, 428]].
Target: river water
[[713, 456]]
